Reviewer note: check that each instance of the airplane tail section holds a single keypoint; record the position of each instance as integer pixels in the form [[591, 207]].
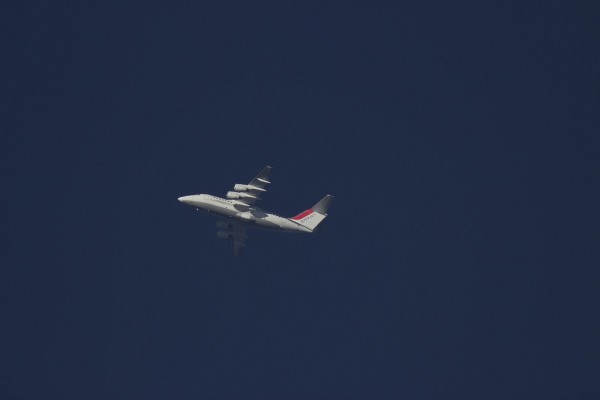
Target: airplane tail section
[[312, 217]]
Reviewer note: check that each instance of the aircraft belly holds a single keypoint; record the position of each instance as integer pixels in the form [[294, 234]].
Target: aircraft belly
[[218, 209], [266, 223], [255, 217]]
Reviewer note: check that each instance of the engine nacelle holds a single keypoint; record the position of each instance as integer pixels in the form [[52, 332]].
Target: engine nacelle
[[222, 225], [240, 188], [238, 195], [223, 234]]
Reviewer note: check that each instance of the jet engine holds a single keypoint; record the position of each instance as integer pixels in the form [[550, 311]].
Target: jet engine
[[223, 234], [240, 188], [237, 195]]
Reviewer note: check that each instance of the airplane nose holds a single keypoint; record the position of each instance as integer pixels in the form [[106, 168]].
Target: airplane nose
[[192, 200]]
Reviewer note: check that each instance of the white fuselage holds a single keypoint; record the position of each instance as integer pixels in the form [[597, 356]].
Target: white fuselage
[[242, 212]]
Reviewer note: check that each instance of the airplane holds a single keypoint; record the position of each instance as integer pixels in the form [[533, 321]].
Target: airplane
[[240, 212]]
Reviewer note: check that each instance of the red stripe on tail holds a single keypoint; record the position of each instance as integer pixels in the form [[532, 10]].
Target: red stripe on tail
[[303, 214]]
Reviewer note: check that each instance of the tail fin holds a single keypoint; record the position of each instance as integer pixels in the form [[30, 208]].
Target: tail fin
[[315, 215]]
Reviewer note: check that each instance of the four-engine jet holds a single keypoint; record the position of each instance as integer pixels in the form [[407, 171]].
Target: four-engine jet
[[241, 213]]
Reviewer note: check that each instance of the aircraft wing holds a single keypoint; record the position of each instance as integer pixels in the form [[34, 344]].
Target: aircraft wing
[[238, 238], [250, 193]]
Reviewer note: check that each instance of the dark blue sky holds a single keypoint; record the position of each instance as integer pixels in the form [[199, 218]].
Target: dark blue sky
[[460, 259]]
